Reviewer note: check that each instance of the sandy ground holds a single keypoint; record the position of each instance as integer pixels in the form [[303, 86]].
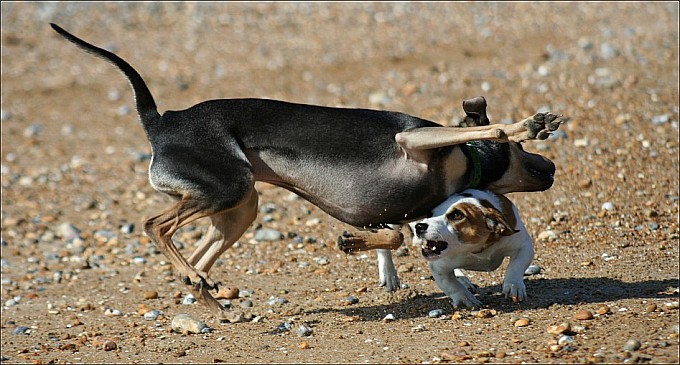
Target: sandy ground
[[80, 280]]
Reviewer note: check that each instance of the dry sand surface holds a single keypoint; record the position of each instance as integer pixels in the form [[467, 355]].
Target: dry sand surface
[[81, 282]]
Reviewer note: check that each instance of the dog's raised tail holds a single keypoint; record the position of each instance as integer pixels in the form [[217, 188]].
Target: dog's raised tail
[[146, 106]]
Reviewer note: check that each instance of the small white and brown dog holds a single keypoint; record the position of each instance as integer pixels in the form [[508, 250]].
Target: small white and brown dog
[[474, 230]]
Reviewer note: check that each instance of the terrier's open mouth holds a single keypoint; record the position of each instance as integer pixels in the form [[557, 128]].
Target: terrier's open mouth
[[432, 249]]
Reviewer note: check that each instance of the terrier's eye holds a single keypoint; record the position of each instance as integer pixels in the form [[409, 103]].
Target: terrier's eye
[[456, 215]]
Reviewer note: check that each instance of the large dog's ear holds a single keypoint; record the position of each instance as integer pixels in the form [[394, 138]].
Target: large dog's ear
[[475, 112]]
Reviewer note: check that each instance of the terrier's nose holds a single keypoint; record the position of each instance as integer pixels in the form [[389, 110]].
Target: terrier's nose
[[421, 228]]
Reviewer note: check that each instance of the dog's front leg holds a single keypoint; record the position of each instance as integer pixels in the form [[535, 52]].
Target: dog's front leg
[[513, 282], [388, 276], [451, 285], [537, 127]]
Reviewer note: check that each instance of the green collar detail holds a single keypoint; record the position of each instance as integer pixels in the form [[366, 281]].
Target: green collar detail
[[476, 166]]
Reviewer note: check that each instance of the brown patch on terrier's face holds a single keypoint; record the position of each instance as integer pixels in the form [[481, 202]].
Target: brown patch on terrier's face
[[481, 226]]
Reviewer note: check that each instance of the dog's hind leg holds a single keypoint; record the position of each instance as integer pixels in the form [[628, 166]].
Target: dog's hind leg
[[225, 229]]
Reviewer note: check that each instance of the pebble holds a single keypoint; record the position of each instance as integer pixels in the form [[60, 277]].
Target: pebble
[[350, 300], [112, 312], [189, 299], [632, 345], [246, 304], [388, 318], [304, 331], [245, 293], [565, 340], [67, 231], [150, 295], [583, 315], [110, 346], [548, 235], [268, 234], [559, 329], [522, 322], [651, 307], [152, 315], [233, 317], [608, 206], [21, 330], [485, 313], [283, 327], [603, 310], [184, 324], [532, 270], [661, 119], [276, 301], [227, 293], [671, 305], [435, 313]]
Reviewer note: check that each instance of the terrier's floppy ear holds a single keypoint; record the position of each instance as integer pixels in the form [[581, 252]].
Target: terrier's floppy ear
[[496, 221]]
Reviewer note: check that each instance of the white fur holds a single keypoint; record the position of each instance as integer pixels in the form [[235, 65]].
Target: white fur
[[518, 246]]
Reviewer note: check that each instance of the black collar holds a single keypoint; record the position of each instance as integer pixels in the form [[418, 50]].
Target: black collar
[[470, 151]]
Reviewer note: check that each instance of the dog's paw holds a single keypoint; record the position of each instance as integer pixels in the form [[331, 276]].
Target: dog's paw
[[389, 279], [465, 281], [349, 243], [515, 290], [465, 299], [541, 125]]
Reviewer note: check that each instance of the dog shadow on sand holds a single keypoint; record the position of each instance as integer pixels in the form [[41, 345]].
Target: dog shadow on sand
[[542, 293]]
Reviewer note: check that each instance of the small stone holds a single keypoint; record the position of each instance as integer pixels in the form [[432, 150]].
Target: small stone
[[268, 234], [404, 268], [565, 340], [350, 300], [110, 345], [651, 307], [283, 327], [585, 183], [112, 312], [603, 310], [303, 345], [435, 313], [152, 315], [21, 330], [304, 331], [583, 315], [189, 299], [661, 119], [233, 317], [532, 270], [632, 345], [608, 206], [276, 301], [227, 293], [671, 305], [150, 295], [522, 322], [559, 329], [246, 304], [486, 313], [184, 324], [388, 318], [548, 235]]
